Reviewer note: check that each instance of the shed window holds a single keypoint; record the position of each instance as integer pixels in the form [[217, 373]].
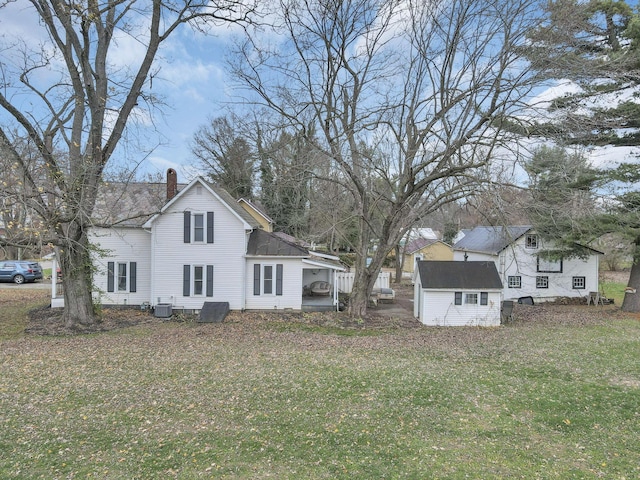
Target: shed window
[[579, 283], [458, 298], [471, 298]]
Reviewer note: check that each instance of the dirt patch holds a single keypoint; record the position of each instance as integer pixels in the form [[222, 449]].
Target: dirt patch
[[397, 315]]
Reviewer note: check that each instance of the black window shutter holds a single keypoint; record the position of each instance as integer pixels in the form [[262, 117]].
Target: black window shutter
[[110, 277], [209, 280], [484, 298], [186, 280], [279, 279], [132, 276], [209, 227], [256, 279], [187, 227], [458, 298]]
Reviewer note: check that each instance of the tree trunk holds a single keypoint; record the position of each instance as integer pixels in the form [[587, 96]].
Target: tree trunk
[[362, 287], [75, 264], [399, 263], [631, 302]]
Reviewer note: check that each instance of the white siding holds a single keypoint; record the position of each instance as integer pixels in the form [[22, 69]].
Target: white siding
[[437, 308], [122, 245], [518, 261], [291, 297], [523, 262], [170, 253]]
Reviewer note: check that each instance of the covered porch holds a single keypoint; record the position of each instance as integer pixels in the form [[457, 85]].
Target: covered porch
[[319, 283]]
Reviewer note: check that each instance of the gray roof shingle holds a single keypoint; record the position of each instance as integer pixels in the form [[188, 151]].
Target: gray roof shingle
[[269, 244], [128, 204], [490, 239], [451, 274]]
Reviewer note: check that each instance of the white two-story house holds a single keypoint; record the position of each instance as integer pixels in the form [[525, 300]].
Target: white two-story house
[[184, 245], [516, 251]]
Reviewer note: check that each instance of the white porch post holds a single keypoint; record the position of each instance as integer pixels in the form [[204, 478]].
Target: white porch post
[[335, 290], [54, 278]]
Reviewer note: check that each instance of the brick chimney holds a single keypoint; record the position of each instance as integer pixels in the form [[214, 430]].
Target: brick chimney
[[172, 183]]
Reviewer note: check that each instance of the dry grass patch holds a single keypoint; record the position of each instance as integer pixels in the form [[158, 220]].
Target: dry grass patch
[[269, 396]]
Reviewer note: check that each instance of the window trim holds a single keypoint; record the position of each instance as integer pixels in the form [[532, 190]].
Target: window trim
[[583, 281], [542, 281], [549, 270], [195, 229], [198, 281], [532, 241], [471, 296], [517, 283], [265, 279]]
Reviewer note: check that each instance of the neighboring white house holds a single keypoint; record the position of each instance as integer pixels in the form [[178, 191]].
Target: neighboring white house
[[449, 293], [516, 250], [196, 244]]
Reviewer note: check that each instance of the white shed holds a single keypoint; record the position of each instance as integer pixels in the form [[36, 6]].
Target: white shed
[[450, 293]]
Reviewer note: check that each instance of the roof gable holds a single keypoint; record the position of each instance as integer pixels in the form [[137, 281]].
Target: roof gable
[[222, 195], [490, 239], [459, 275], [418, 244]]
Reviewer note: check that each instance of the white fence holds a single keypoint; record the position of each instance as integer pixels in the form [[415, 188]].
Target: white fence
[[344, 281]]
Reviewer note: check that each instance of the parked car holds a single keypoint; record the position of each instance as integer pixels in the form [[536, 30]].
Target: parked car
[[20, 271]]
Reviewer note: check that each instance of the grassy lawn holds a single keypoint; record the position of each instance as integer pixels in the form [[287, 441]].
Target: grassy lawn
[[252, 398]]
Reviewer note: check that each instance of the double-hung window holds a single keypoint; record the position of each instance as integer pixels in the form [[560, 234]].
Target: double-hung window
[[471, 298], [121, 276], [198, 227]]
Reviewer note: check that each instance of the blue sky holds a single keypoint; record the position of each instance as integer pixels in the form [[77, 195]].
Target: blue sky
[[190, 76]]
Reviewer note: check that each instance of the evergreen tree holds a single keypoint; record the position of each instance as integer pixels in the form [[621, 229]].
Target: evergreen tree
[[594, 44]]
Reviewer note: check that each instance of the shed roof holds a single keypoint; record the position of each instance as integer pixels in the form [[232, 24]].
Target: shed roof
[[451, 274], [490, 239]]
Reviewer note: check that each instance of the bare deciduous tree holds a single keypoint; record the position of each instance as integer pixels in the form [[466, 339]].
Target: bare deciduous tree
[[226, 155], [406, 100], [80, 103]]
